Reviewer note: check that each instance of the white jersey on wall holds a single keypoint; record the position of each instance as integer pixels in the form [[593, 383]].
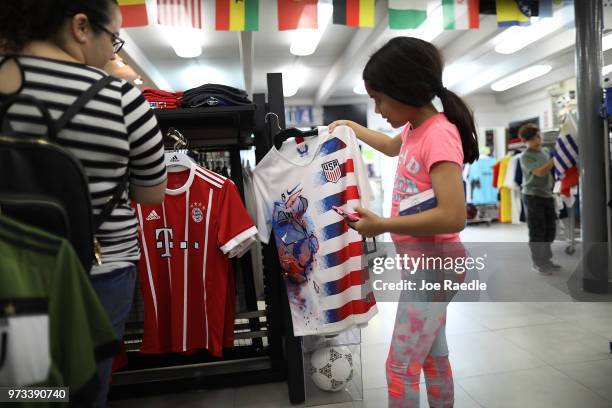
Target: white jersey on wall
[[320, 256]]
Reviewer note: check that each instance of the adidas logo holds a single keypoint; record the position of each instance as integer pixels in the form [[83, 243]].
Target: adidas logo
[[153, 216], [174, 159]]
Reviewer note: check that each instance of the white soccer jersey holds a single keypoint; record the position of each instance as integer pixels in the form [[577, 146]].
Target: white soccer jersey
[[320, 255]]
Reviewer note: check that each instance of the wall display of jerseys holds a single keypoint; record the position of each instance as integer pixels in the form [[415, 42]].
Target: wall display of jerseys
[[207, 95], [185, 271], [53, 328], [479, 181], [321, 257], [507, 177]]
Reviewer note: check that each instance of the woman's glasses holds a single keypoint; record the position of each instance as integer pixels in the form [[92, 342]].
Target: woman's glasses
[[118, 43]]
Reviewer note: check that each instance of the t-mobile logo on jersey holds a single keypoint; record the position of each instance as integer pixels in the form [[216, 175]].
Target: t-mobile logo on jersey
[[166, 243]]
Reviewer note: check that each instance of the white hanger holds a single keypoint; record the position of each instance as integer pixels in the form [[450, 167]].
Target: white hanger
[[178, 161]]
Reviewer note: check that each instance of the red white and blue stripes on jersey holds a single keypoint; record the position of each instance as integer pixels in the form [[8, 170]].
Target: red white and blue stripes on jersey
[[336, 261]]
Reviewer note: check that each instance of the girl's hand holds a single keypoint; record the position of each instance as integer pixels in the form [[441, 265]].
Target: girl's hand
[[336, 123], [369, 225]]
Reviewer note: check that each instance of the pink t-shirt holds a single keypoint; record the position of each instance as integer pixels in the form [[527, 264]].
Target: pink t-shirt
[[435, 140]]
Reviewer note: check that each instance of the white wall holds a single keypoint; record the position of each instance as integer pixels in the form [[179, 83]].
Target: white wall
[[538, 104]]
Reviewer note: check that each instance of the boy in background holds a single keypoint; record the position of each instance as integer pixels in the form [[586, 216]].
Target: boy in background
[[536, 165]]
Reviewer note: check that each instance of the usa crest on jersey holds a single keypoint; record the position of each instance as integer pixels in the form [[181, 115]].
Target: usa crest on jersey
[[331, 170]]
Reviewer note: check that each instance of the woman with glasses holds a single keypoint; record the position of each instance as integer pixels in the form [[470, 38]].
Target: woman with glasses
[[55, 50]]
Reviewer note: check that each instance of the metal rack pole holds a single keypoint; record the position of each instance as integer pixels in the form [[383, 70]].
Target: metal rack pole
[[293, 345], [589, 16]]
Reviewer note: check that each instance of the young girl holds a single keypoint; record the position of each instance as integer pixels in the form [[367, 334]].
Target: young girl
[[403, 77]]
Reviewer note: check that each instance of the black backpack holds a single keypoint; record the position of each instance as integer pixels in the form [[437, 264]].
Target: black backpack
[[44, 185]]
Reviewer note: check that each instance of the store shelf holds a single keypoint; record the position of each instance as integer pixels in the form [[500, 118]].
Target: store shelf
[[210, 127], [238, 372]]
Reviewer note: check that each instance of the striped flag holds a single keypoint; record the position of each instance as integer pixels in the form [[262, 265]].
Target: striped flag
[[237, 15], [354, 13], [565, 155], [405, 14], [460, 14], [512, 12], [294, 14], [133, 13], [180, 13]]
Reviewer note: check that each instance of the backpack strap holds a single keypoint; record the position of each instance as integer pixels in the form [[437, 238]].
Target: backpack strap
[[81, 102], [112, 203], [6, 127], [63, 121]]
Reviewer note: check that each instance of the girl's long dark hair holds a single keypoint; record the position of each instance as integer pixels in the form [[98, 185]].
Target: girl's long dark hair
[[410, 70]]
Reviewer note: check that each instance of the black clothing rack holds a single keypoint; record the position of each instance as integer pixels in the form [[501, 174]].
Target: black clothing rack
[[254, 360]]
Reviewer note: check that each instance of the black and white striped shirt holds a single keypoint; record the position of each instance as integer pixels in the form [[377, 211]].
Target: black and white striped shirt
[[115, 132]]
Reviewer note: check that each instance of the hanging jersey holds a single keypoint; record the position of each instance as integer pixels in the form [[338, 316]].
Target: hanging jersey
[[184, 269], [480, 176], [320, 255]]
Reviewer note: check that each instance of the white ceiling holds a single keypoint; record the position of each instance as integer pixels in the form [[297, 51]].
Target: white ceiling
[[333, 70]]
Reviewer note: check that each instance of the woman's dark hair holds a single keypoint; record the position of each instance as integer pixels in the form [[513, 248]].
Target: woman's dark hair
[[410, 70], [528, 131], [23, 21]]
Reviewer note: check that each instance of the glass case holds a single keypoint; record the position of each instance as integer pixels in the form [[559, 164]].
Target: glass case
[[332, 368]]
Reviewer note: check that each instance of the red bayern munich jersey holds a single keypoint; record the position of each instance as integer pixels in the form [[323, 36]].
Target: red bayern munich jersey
[[185, 274]]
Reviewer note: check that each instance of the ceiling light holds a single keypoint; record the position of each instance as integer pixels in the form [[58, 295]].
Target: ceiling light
[[516, 38], [520, 77], [520, 37], [360, 88], [457, 72], [292, 81], [185, 41], [305, 41]]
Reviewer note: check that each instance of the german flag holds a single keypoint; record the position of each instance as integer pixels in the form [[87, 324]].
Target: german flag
[[354, 13], [237, 15], [134, 13]]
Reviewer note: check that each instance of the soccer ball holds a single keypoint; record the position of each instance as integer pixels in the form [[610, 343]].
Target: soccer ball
[[331, 368]]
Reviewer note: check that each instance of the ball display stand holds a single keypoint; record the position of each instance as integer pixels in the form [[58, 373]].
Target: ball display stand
[[332, 368]]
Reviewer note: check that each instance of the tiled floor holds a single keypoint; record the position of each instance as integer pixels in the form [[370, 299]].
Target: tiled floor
[[504, 355]]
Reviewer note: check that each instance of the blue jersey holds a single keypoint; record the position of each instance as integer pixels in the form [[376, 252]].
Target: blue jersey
[[481, 179]]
